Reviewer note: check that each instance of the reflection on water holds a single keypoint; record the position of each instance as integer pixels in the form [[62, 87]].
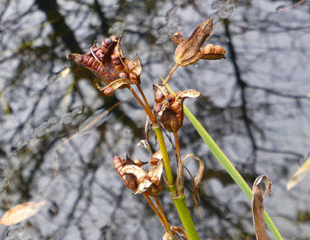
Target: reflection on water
[[254, 105]]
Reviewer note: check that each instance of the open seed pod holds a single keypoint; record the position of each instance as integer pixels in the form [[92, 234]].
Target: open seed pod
[[168, 108], [109, 64], [149, 182], [130, 180], [189, 51]]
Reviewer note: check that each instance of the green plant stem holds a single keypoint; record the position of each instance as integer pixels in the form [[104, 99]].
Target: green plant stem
[[221, 157], [186, 219], [179, 201], [163, 149]]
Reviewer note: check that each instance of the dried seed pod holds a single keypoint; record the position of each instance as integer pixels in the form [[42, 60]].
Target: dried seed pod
[[130, 180], [108, 91], [170, 110], [188, 51]]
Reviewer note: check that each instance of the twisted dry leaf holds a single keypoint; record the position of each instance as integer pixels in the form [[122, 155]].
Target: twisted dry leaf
[[261, 187], [299, 175], [21, 212]]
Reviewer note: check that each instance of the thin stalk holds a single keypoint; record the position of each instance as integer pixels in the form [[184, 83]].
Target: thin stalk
[[143, 96], [167, 227], [147, 110], [161, 212], [170, 74], [177, 146]]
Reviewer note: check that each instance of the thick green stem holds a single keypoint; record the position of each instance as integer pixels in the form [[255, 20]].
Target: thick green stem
[[186, 218], [178, 201]]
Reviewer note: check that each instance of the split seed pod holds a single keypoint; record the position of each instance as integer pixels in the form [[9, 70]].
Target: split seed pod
[[130, 180], [189, 51], [168, 108], [110, 65], [149, 182]]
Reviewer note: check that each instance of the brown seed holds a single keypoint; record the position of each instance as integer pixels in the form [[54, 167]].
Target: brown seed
[[114, 38], [171, 98], [117, 62], [131, 64], [154, 161], [108, 91], [138, 162], [134, 78], [176, 107], [123, 75], [157, 107], [159, 98]]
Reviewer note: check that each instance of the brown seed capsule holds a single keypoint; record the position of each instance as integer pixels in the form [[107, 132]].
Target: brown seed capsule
[[134, 78], [108, 91], [159, 98]]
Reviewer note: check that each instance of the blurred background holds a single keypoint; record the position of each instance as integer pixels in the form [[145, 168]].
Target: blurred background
[[58, 133]]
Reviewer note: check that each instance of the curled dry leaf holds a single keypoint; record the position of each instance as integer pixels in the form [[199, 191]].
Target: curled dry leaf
[[299, 175], [261, 187], [176, 230], [21, 212], [168, 108], [190, 51], [197, 180]]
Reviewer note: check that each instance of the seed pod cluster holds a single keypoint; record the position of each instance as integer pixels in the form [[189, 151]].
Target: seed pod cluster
[[110, 65], [168, 108]]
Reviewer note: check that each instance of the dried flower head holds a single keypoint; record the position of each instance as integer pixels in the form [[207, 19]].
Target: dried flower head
[[190, 51], [169, 108], [110, 65]]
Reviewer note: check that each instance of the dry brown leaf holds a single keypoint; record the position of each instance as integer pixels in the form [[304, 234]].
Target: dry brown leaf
[[21, 212], [299, 175], [261, 187]]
